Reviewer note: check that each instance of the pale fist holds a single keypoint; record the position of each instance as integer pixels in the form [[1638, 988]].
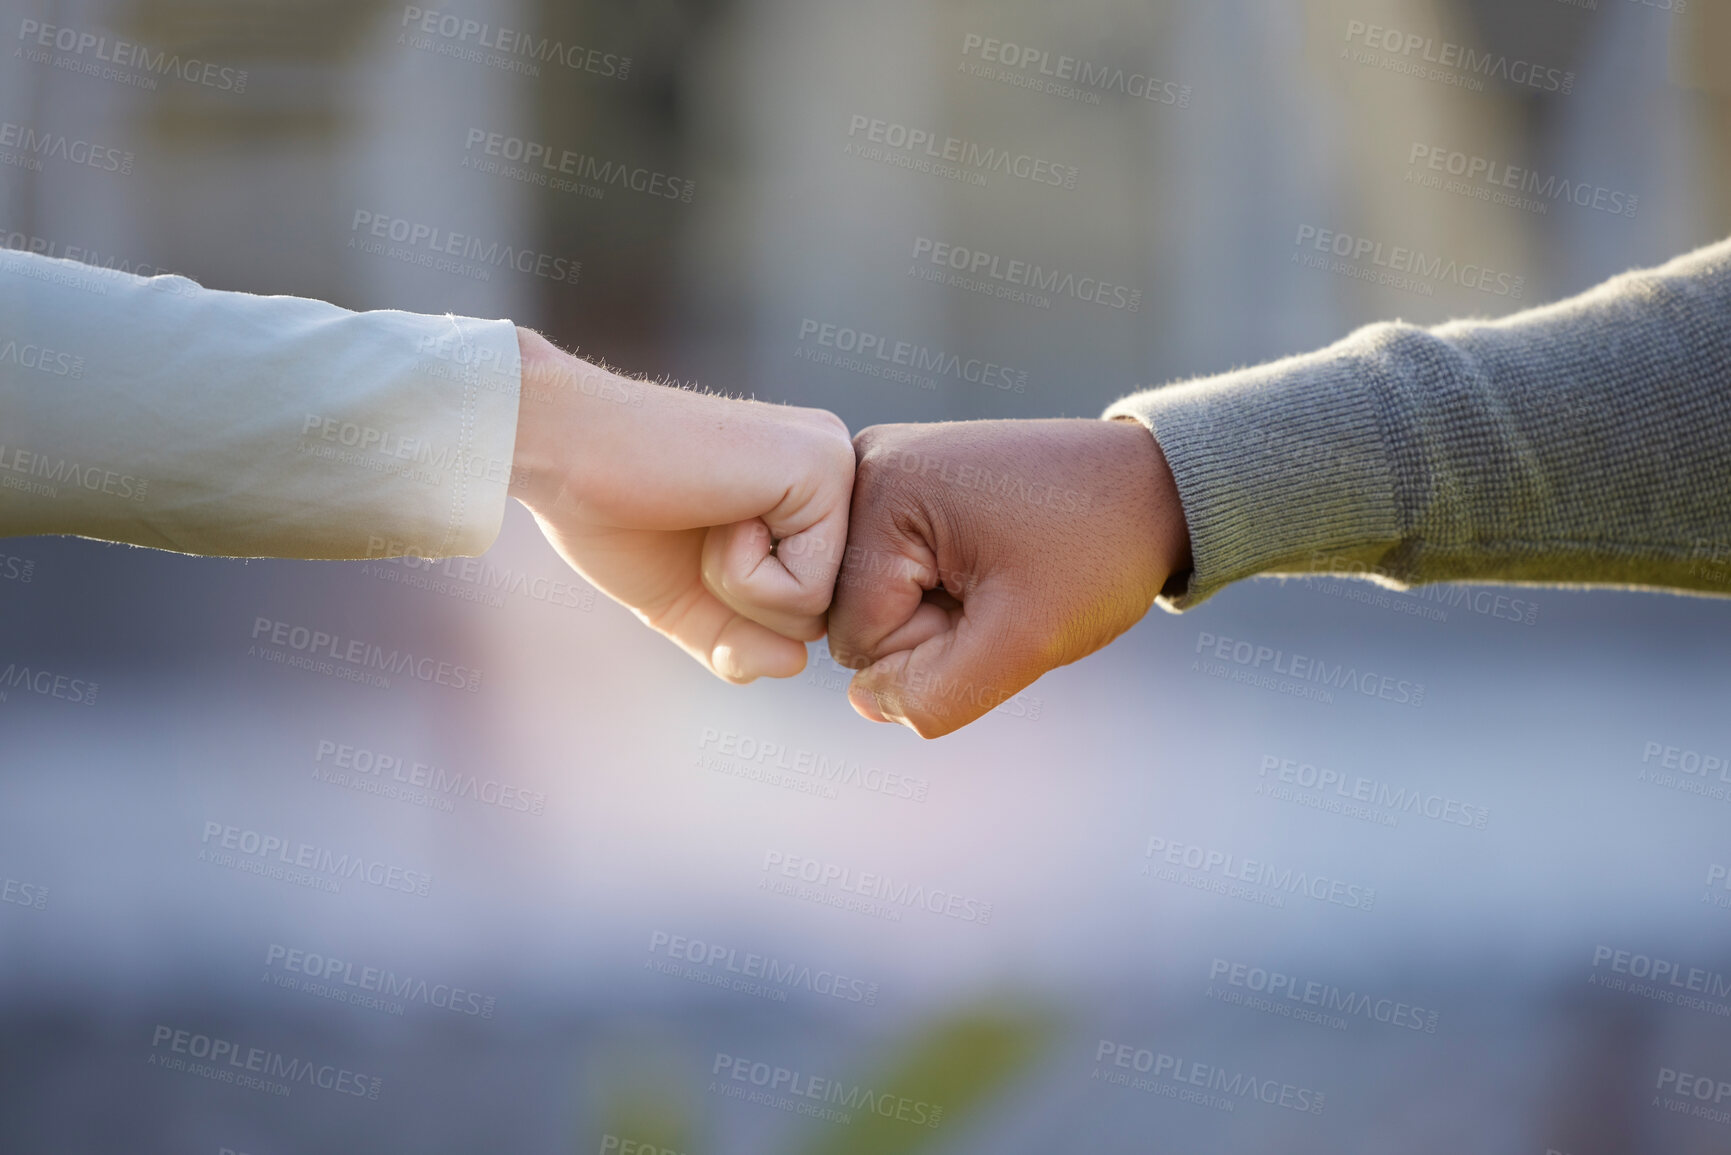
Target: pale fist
[[719, 522], [984, 553]]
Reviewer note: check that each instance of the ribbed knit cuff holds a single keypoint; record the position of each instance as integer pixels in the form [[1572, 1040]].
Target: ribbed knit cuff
[[1286, 467]]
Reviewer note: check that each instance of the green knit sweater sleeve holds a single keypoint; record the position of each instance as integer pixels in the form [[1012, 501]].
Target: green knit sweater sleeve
[[1585, 442]]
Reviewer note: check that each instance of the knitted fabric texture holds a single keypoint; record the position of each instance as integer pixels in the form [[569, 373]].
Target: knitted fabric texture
[[1585, 442]]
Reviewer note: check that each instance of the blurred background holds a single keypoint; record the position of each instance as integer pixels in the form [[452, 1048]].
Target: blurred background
[[604, 903]]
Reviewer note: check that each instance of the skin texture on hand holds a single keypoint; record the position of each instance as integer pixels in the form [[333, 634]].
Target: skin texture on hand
[[984, 553], [719, 522]]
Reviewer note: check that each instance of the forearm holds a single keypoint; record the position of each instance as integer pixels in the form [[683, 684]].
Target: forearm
[[221, 423], [1583, 442]]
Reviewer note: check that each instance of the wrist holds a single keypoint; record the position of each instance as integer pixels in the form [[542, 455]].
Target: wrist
[[570, 421], [1171, 528]]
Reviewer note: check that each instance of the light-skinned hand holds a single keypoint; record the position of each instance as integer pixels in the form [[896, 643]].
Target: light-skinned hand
[[718, 522]]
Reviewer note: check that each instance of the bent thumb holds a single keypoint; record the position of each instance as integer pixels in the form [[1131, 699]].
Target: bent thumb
[[949, 680]]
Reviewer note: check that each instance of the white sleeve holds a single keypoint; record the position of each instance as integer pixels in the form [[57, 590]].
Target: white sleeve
[[156, 412]]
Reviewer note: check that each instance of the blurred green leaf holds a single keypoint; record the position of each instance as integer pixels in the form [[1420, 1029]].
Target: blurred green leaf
[[653, 1118], [644, 1098], [955, 1065]]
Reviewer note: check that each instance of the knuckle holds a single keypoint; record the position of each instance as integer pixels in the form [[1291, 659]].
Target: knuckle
[[725, 583], [827, 425], [846, 656], [891, 455], [839, 459], [809, 630], [874, 466], [835, 426], [806, 603], [811, 603], [868, 440]]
